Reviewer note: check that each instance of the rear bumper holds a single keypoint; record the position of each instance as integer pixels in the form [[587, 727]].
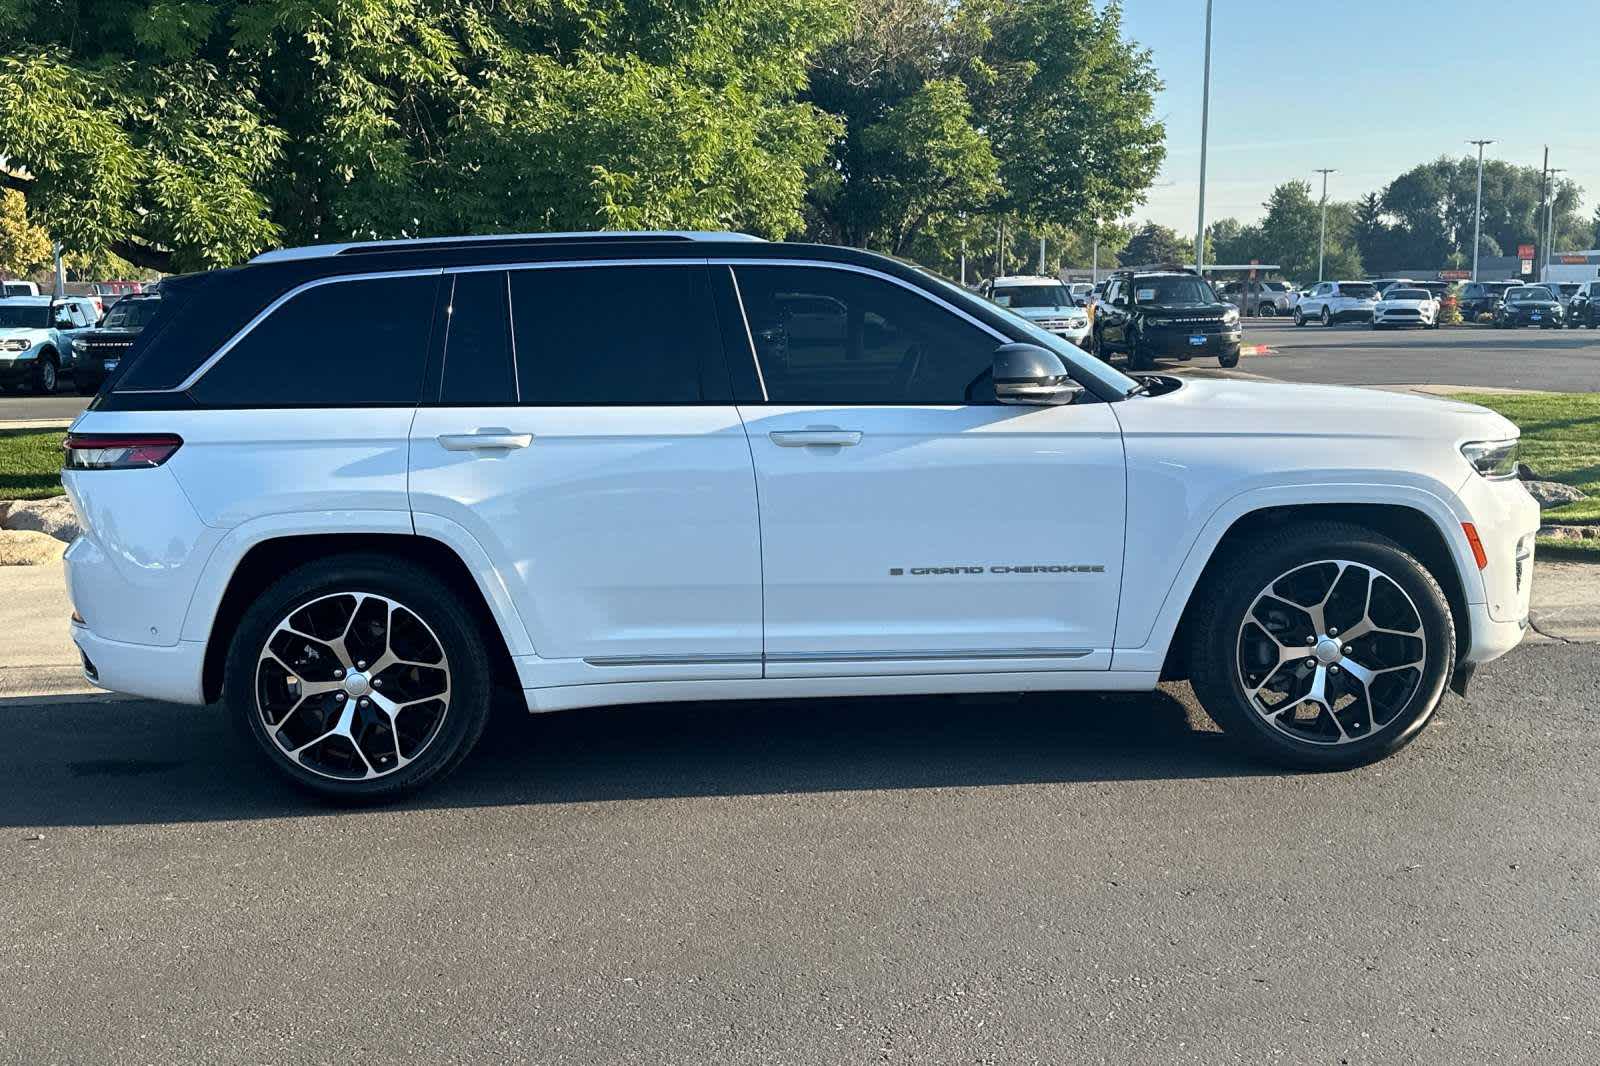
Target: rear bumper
[[170, 673]]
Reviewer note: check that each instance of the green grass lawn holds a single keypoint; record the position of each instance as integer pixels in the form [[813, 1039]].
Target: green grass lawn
[[1560, 440], [30, 463]]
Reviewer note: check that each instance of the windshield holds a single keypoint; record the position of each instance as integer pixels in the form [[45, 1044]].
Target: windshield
[[1172, 291], [131, 314], [1407, 294], [30, 316], [1085, 369], [1276, 286], [1529, 292], [1015, 296], [1358, 290]]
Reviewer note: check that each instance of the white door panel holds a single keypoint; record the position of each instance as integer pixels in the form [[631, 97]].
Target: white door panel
[[974, 532], [626, 534]]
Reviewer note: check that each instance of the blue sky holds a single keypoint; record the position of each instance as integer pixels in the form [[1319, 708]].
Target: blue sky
[[1371, 88]]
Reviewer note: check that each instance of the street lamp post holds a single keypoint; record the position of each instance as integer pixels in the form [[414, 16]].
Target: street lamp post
[[1322, 234], [1550, 222], [1205, 121], [1477, 211]]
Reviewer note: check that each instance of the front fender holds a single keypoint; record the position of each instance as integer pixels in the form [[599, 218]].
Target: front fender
[[1149, 617]]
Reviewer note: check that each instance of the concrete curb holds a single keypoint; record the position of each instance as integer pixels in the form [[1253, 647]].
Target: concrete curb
[[36, 423]]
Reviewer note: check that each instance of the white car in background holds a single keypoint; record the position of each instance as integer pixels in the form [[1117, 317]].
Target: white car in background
[[1337, 301], [1402, 305], [36, 339], [1045, 302]]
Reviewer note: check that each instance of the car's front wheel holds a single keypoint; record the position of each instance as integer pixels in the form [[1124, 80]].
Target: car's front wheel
[[360, 677], [46, 374], [1327, 319], [1299, 317], [1324, 646]]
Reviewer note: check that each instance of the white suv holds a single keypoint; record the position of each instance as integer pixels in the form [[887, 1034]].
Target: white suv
[[1045, 302], [1337, 301], [348, 490]]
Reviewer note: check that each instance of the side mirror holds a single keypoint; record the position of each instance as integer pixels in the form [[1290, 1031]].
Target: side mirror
[[1029, 374]]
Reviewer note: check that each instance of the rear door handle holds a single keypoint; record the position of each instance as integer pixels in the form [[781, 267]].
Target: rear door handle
[[496, 440], [811, 438]]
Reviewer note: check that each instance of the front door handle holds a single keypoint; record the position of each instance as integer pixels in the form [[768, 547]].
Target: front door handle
[[491, 440], [815, 438]]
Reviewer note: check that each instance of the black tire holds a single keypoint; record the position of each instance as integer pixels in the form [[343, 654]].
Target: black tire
[[1139, 358], [46, 373], [1228, 360], [1326, 318], [1217, 639], [424, 596]]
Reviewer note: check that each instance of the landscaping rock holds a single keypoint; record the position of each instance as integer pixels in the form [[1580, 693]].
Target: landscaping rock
[[1570, 532], [1553, 493], [53, 516], [25, 547]]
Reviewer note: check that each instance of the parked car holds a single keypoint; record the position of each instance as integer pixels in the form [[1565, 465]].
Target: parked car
[[1405, 306], [350, 494], [1080, 292], [1259, 298], [1150, 312], [1563, 291], [1529, 305], [100, 350], [18, 288], [1584, 307], [36, 339], [1383, 284], [1337, 301], [1483, 297], [1045, 302]]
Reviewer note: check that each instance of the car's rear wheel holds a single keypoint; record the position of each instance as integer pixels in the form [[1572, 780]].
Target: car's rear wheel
[[359, 677], [1322, 647]]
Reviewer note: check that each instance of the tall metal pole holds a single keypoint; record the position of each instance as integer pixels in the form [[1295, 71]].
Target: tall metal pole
[[1322, 235], [1477, 211], [999, 253], [1041, 257], [1205, 122], [963, 261], [1544, 182], [1550, 221], [1094, 262], [60, 290]]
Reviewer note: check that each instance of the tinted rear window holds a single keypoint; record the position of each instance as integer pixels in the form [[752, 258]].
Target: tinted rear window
[[477, 353], [613, 335], [1360, 290], [339, 344]]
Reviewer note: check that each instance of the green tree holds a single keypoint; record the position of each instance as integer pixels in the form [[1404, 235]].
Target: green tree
[[1290, 230], [1155, 243], [24, 247], [182, 134], [1433, 203], [1594, 239]]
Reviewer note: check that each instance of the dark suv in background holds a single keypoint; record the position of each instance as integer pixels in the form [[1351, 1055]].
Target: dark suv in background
[[1483, 297], [1529, 305], [1150, 312], [100, 350]]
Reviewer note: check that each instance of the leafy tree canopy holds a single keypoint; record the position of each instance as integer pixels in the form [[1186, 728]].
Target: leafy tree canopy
[[183, 134], [24, 247]]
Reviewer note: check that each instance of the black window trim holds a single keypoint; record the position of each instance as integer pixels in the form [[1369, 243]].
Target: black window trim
[[731, 262]]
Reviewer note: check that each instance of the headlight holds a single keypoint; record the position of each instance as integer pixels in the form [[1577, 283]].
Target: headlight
[[1231, 315], [1492, 458], [17, 344]]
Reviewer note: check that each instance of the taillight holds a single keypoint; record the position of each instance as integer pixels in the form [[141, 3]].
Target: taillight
[[119, 451]]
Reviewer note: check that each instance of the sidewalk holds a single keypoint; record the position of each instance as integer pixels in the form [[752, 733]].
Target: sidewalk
[[38, 658]]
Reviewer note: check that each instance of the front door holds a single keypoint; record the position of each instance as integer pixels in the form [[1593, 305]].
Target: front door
[[584, 434], [909, 522]]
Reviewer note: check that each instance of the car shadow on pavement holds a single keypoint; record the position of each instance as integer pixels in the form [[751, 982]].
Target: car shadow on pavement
[[83, 764]]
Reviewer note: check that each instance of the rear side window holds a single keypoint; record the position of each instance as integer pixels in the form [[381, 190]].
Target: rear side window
[[339, 344], [614, 335], [477, 351]]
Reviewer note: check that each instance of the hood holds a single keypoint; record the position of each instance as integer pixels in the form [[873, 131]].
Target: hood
[[30, 332], [1047, 312], [1256, 408], [1211, 310]]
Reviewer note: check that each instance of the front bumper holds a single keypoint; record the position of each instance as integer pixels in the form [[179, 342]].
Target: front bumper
[[1176, 344], [1393, 318], [17, 371]]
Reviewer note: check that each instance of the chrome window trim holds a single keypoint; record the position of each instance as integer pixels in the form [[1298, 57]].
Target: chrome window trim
[[244, 331]]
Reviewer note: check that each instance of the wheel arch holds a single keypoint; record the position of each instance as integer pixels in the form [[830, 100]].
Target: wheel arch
[[269, 558], [1408, 526]]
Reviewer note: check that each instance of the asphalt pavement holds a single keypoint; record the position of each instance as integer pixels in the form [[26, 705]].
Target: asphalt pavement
[[1048, 878]]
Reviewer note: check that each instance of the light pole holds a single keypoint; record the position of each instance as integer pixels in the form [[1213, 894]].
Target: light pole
[[1322, 234], [1550, 221], [1477, 212], [1205, 121]]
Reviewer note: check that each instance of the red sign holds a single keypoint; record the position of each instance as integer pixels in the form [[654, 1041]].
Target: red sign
[[1580, 260], [1454, 275], [1524, 251]]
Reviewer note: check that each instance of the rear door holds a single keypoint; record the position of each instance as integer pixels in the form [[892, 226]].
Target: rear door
[[909, 522], [581, 430]]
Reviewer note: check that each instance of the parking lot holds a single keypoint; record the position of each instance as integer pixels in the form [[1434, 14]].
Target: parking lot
[[1040, 878]]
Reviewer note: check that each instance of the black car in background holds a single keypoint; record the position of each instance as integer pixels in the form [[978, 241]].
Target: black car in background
[[1149, 312], [1529, 305], [1584, 307], [101, 349], [1483, 297]]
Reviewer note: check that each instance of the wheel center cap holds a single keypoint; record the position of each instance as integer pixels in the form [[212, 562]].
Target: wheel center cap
[[1327, 651], [359, 684]]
